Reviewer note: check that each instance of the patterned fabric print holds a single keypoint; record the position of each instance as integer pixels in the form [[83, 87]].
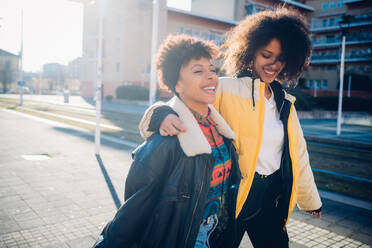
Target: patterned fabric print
[[215, 205]]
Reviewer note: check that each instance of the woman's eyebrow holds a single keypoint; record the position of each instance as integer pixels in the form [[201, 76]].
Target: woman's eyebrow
[[196, 66], [265, 50]]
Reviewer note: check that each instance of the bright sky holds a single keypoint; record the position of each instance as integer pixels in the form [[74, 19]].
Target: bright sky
[[52, 29]]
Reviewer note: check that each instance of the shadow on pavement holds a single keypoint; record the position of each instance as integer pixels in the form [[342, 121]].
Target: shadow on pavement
[[89, 100], [108, 182], [87, 136], [114, 145]]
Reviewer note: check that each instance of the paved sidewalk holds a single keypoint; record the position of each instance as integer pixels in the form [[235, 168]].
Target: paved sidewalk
[[325, 129], [65, 200]]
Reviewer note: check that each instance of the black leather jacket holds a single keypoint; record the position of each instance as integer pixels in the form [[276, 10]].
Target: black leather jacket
[[165, 195]]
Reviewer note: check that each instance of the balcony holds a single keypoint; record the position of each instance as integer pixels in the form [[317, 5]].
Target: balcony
[[352, 1], [336, 58], [298, 4], [355, 21], [351, 39]]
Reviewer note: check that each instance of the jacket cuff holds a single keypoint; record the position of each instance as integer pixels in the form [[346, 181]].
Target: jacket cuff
[[318, 210], [158, 116]]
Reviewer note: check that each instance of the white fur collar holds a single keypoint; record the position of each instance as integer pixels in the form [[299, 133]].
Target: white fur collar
[[193, 141]]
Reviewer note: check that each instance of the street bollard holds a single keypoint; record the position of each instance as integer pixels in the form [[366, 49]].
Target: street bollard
[[66, 94]]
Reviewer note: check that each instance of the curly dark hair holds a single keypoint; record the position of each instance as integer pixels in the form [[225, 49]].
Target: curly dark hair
[[176, 51], [256, 31]]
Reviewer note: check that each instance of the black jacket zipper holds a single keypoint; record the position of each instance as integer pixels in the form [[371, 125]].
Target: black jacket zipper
[[196, 205]]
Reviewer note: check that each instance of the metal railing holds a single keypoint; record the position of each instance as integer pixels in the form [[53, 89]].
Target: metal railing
[[335, 57], [358, 38], [357, 20]]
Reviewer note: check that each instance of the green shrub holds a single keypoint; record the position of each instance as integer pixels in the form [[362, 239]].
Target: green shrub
[[348, 103], [109, 98], [304, 102], [132, 92]]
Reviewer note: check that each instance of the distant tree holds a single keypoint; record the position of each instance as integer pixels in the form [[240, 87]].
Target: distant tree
[[358, 82], [6, 75]]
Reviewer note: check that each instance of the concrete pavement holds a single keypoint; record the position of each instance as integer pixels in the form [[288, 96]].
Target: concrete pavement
[[65, 196]]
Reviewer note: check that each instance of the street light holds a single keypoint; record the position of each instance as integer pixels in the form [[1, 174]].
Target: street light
[[344, 24], [21, 82], [154, 46], [97, 137]]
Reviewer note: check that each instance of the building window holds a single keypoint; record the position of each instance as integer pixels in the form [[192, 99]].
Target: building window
[[324, 23], [331, 22], [332, 5], [313, 22], [180, 30], [117, 67], [212, 36], [340, 4], [317, 84], [330, 38], [117, 44], [103, 48], [324, 84], [325, 5], [204, 36], [309, 84], [250, 9], [219, 40]]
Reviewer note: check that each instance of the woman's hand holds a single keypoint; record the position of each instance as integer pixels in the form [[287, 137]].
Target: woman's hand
[[316, 213], [171, 125]]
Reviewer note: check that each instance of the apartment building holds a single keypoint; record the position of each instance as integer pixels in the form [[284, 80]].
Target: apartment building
[[127, 38], [127, 28], [327, 29]]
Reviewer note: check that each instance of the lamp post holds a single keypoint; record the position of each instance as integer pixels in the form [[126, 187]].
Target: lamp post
[[21, 82], [154, 45], [97, 136], [349, 86], [315, 86], [344, 27]]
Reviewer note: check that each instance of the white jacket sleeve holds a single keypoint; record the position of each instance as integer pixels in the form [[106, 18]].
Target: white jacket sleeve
[[146, 118], [307, 193]]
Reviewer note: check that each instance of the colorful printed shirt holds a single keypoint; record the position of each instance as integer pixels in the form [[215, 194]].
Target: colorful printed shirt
[[215, 217]]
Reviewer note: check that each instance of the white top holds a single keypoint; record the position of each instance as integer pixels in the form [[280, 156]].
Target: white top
[[272, 140]]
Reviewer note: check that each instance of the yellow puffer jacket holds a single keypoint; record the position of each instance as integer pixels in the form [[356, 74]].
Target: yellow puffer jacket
[[246, 117]]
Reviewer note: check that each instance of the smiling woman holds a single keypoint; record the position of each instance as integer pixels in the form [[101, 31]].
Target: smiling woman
[[180, 190], [197, 84], [269, 61], [184, 67]]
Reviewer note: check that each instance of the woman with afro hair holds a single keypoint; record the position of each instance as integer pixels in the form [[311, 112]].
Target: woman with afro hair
[[266, 53], [181, 191]]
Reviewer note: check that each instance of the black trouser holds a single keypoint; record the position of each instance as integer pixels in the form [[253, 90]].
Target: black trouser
[[260, 216]]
